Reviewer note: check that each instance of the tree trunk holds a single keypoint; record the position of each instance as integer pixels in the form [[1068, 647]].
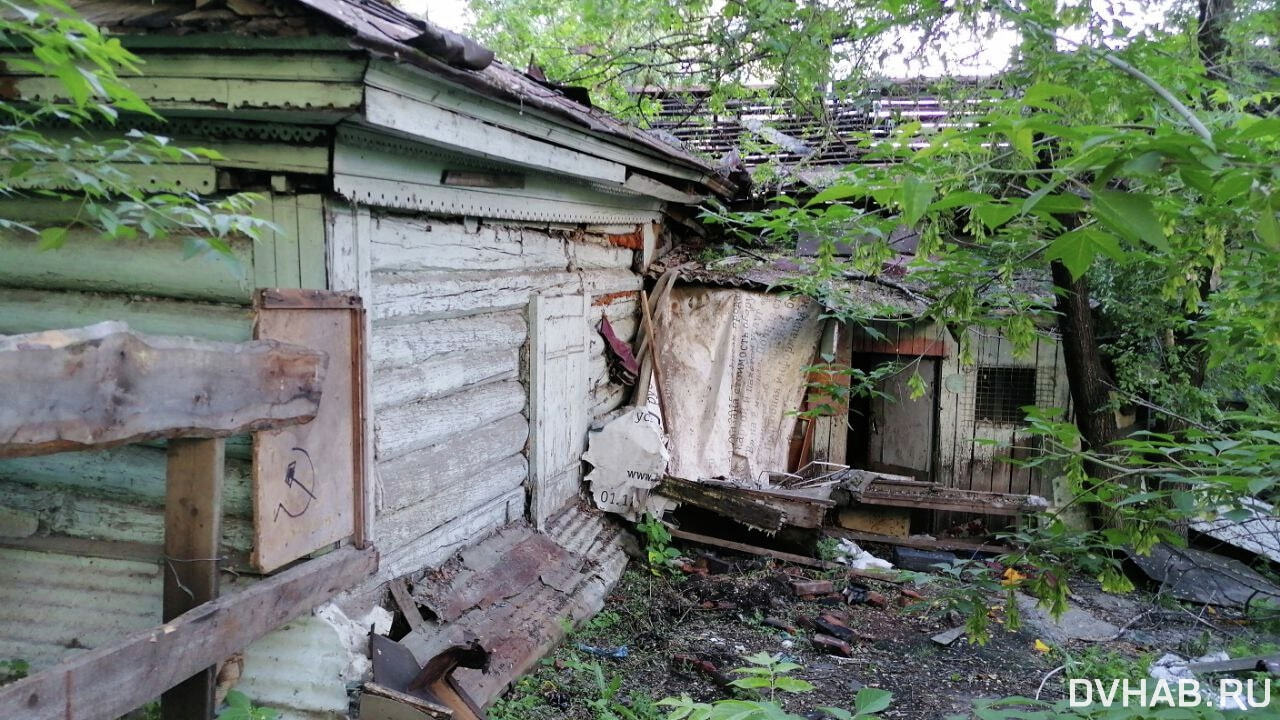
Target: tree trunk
[[1210, 38], [1088, 378]]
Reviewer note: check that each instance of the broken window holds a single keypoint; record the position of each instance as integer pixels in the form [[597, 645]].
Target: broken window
[[1002, 392]]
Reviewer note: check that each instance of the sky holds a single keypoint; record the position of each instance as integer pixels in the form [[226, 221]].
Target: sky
[[975, 56]]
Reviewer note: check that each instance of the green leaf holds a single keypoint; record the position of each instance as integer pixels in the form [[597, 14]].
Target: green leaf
[[1078, 249], [872, 700], [52, 237], [916, 385], [1268, 229], [993, 215], [833, 193], [792, 685], [1023, 140], [1131, 215], [915, 198]]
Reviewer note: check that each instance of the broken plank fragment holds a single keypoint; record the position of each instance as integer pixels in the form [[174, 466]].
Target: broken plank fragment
[[102, 385], [923, 543], [407, 606], [726, 500], [379, 702]]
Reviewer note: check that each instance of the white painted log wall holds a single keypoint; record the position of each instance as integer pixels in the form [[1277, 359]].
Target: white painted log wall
[[449, 332]]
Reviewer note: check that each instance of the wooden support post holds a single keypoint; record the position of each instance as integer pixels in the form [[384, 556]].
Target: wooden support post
[[192, 535], [647, 318]]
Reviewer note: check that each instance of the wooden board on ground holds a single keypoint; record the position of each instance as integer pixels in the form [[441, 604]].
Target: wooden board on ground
[[307, 480]]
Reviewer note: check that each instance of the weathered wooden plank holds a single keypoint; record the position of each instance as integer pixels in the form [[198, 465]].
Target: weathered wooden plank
[[78, 515], [102, 386], [831, 431], [404, 297], [457, 460], [414, 82], [131, 473], [421, 244], [192, 534], [295, 65], [726, 501], [341, 244], [27, 311], [144, 267], [444, 375], [405, 428], [163, 93], [264, 251], [284, 211], [558, 347], [415, 244], [311, 250], [458, 132], [111, 681], [449, 502], [407, 344], [440, 544]]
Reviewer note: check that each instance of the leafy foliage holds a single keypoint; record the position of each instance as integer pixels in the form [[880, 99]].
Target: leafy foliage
[[13, 669], [657, 544], [1132, 159], [771, 673], [48, 153], [239, 707]]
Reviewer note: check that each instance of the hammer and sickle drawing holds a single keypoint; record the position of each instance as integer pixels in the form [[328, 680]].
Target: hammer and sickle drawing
[[302, 480]]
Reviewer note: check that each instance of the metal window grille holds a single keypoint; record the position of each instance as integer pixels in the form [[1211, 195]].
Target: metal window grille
[[1002, 392]]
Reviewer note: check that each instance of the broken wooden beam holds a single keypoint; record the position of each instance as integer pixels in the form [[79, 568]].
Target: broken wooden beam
[[919, 543], [728, 501], [103, 385], [408, 608], [113, 680]]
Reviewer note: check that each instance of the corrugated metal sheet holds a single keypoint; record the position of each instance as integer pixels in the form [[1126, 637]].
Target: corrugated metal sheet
[[300, 670], [53, 606]]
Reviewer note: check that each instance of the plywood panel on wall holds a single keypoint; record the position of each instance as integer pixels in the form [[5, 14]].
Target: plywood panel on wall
[[306, 478]]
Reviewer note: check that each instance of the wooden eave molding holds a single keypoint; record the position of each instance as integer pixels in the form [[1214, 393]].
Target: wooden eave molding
[[534, 125]]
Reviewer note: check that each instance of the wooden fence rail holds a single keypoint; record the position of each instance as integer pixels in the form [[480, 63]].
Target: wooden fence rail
[[103, 385]]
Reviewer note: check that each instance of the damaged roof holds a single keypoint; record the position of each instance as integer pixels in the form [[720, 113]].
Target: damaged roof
[[772, 270], [384, 29]]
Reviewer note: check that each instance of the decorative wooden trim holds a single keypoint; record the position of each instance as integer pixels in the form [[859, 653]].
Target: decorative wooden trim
[[111, 681], [305, 299]]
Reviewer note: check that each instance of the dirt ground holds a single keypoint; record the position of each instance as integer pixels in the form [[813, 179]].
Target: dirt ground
[[719, 618]]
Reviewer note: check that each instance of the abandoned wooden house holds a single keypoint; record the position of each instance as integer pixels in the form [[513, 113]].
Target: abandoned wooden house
[[970, 416], [453, 231], [955, 435]]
